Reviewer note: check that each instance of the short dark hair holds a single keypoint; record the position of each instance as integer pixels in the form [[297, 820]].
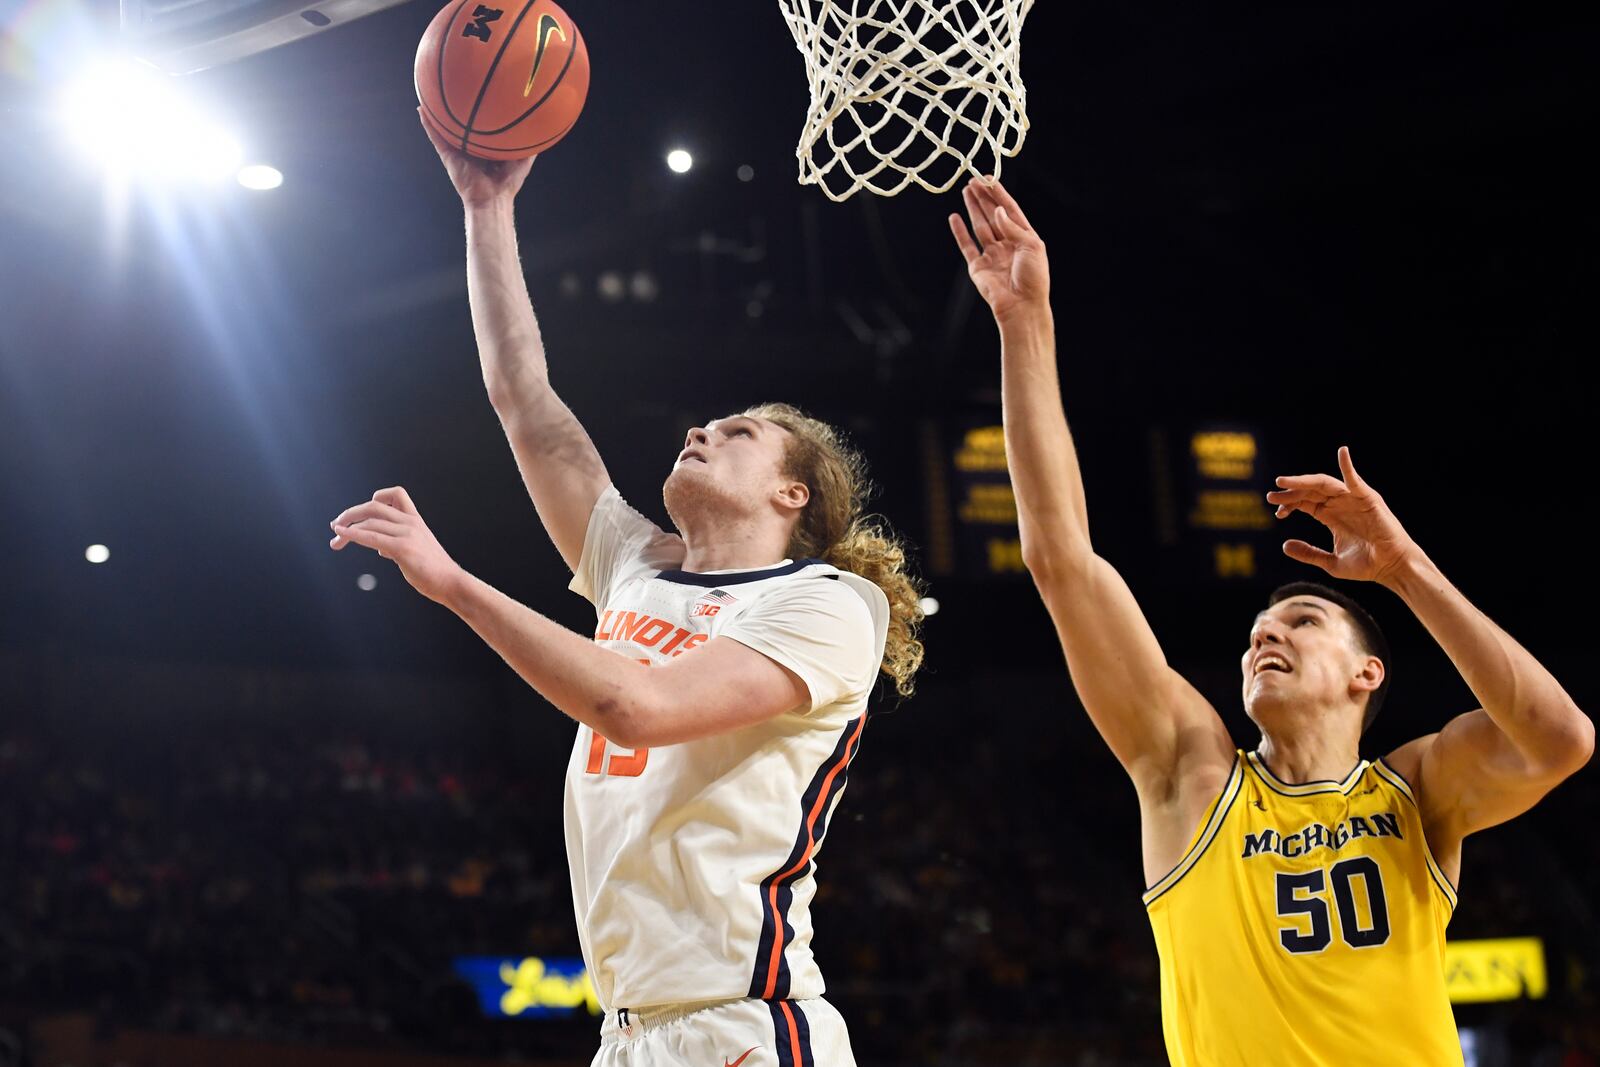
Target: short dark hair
[[1369, 636]]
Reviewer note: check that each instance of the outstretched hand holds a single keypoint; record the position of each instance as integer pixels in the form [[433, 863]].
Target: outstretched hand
[[479, 181], [390, 525], [1007, 261], [1369, 544]]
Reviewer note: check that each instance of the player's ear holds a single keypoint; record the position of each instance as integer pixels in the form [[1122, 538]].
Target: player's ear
[[1369, 677], [792, 495]]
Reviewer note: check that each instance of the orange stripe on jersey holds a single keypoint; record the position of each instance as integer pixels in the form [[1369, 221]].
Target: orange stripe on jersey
[[817, 807], [794, 1032]]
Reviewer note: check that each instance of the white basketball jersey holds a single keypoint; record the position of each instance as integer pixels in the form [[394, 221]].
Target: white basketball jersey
[[692, 865]]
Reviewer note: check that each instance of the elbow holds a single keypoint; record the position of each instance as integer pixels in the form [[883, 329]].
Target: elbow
[[1572, 744], [504, 396], [500, 395], [513, 394], [622, 723], [632, 719], [1583, 739], [1053, 559]]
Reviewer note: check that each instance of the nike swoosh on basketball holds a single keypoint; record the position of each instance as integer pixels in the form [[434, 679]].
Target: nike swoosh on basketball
[[547, 26], [741, 1059]]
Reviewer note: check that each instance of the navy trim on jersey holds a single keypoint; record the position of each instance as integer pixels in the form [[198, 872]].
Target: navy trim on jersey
[[807, 840], [711, 581], [1209, 830], [784, 1037], [1283, 788], [800, 1020], [1411, 794], [780, 1035], [1442, 880]]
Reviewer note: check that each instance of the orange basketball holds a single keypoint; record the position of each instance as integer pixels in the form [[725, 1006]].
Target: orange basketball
[[502, 80]]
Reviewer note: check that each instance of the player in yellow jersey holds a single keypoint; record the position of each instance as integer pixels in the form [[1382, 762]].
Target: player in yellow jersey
[[1298, 893]]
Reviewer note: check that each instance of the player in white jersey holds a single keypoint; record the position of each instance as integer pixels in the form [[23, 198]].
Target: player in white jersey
[[720, 703]]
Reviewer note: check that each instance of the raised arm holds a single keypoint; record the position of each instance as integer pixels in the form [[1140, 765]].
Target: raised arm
[[1163, 731], [559, 464], [723, 686], [1488, 765]]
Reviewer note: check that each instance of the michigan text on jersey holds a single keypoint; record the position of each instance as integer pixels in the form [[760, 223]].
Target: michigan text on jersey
[[1315, 836]]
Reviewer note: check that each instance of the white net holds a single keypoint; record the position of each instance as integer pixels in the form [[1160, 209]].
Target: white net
[[905, 91]]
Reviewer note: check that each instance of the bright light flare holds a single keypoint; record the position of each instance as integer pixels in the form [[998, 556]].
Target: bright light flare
[[97, 553], [260, 176], [930, 606], [680, 161], [127, 117]]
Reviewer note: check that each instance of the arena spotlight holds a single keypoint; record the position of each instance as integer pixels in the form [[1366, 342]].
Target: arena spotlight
[[930, 606], [97, 553], [259, 176], [680, 161], [127, 116], [643, 286]]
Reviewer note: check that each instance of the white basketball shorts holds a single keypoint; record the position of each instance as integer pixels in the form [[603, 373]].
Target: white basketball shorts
[[734, 1033]]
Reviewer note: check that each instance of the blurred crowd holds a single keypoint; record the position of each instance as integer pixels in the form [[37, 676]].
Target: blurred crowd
[[309, 877]]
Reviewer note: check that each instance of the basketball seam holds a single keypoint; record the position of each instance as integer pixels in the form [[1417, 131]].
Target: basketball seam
[[483, 89], [449, 35], [571, 52], [536, 144], [439, 123], [491, 148]]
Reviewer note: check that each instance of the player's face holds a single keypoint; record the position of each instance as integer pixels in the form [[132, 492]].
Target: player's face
[[738, 458], [1303, 652]]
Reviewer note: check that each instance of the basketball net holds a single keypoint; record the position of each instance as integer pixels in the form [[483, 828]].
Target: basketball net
[[905, 91]]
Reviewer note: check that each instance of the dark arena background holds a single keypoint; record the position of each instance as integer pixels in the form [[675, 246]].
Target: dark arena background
[[261, 803]]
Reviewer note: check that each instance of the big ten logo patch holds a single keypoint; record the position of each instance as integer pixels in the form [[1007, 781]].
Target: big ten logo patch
[[711, 603]]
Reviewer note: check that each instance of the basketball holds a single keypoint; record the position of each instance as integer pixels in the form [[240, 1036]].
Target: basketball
[[502, 82]]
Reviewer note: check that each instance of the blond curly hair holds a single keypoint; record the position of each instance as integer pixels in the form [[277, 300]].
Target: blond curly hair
[[834, 528]]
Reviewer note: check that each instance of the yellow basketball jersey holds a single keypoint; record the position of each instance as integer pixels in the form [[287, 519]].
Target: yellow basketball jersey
[[1304, 927]]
